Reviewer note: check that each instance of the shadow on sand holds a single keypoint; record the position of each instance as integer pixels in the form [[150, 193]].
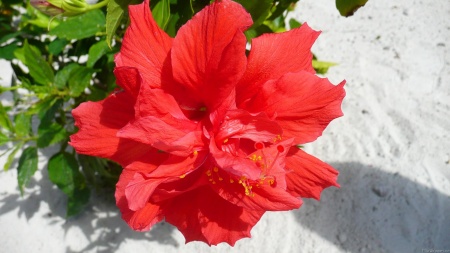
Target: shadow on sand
[[377, 211], [373, 211], [100, 222]]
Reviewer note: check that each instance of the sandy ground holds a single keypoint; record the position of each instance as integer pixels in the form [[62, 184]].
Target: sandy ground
[[392, 149]]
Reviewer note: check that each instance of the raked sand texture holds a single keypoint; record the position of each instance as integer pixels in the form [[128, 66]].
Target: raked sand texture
[[392, 149]]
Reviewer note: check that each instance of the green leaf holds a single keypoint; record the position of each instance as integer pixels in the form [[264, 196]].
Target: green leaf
[[96, 51], [114, 14], [11, 35], [82, 26], [79, 80], [78, 201], [322, 67], [7, 52], [48, 116], [348, 7], [3, 138], [63, 75], [5, 122], [39, 69], [259, 10], [42, 106], [19, 54], [22, 123], [63, 170], [51, 134], [56, 47], [11, 156], [10, 2], [161, 12], [28, 164], [281, 7], [293, 23]]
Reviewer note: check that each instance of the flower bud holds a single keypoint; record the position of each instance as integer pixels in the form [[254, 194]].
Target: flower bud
[[65, 7], [46, 7]]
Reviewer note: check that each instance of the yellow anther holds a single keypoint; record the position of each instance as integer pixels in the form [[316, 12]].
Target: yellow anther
[[231, 180], [278, 138], [208, 173], [213, 182], [225, 141], [202, 109], [183, 176], [220, 179], [195, 152], [216, 169]]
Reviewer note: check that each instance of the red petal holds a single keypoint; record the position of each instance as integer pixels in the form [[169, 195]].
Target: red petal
[[155, 102], [273, 55], [143, 184], [142, 219], [98, 123], [208, 55], [176, 166], [145, 46], [307, 176], [129, 79], [263, 197], [201, 215], [260, 194], [241, 124], [303, 103], [176, 136], [139, 190], [233, 164]]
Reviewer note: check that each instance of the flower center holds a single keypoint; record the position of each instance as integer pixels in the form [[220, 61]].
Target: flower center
[[265, 158]]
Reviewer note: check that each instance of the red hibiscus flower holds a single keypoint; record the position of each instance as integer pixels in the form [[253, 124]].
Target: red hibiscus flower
[[206, 135]]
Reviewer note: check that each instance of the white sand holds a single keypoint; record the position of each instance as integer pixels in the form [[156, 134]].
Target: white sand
[[392, 148]]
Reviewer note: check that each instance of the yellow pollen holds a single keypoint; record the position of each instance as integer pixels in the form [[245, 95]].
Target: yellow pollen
[[183, 176], [225, 141], [216, 169], [208, 173], [247, 188], [195, 152], [278, 138], [231, 180]]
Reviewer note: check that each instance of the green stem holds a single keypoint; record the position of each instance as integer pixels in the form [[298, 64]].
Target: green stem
[[24, 139], [98, 5], [9, 88]]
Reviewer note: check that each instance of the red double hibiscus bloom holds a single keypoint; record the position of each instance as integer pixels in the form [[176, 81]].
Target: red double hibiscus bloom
[[206, 135]]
